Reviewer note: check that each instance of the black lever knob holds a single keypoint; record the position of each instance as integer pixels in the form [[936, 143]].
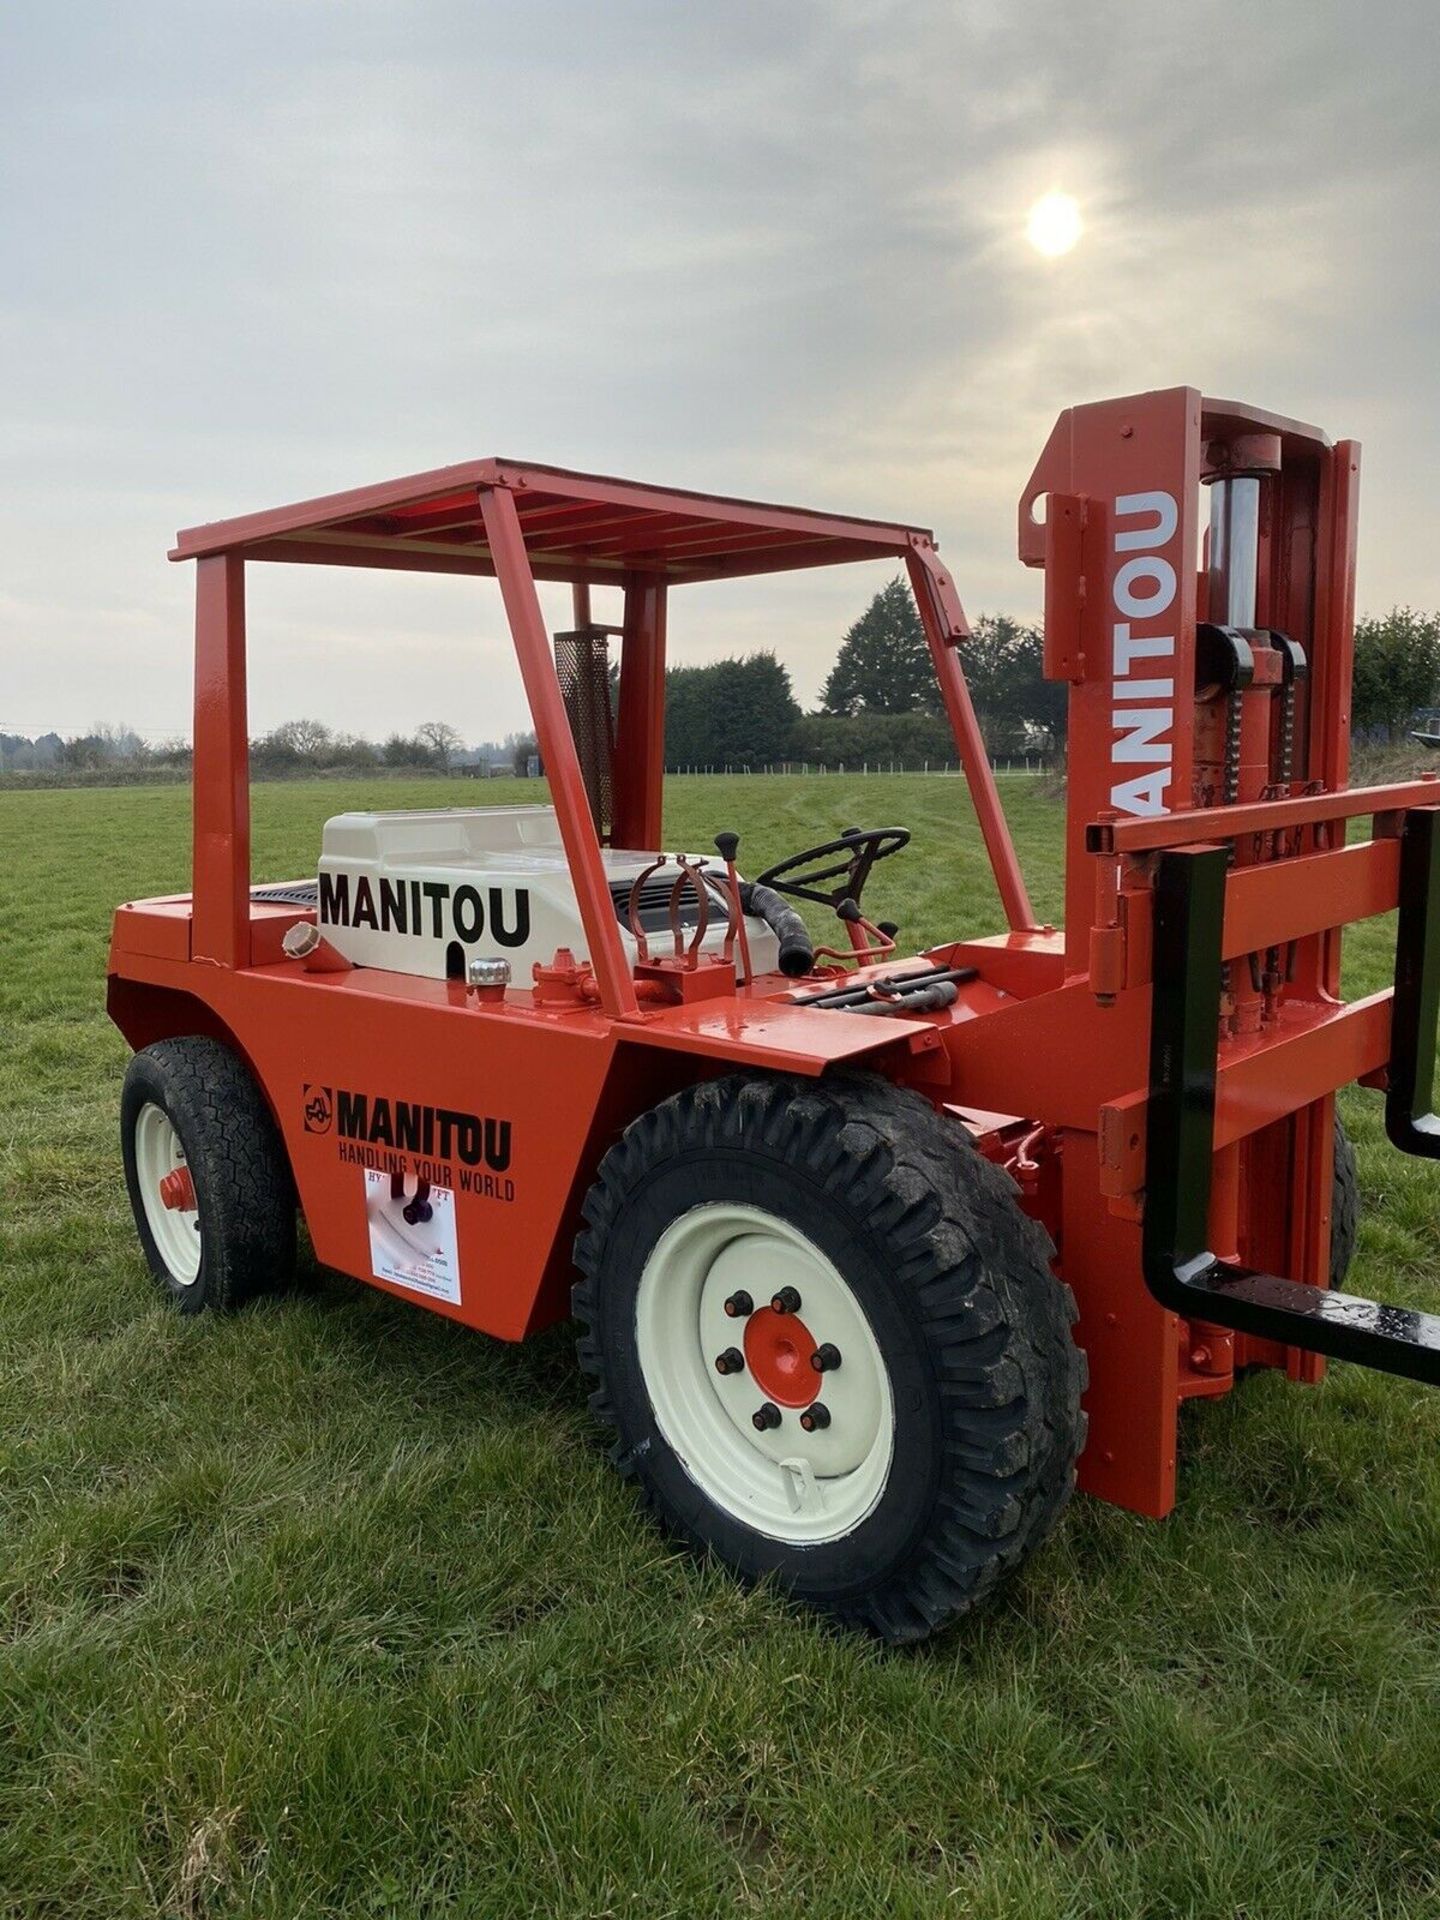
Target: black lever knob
[[727, 845]]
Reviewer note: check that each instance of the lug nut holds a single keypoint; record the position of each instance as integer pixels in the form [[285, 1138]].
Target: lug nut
[[766, 1415], [739, 1304], [730, 1361], [787, 1300], [825, 1358], [815, 1416]]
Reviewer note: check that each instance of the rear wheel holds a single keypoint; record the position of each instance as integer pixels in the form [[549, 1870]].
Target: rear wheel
[[830, 1345], [209, 1182]]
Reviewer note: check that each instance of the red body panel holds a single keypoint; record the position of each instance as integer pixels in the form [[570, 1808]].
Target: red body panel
[[561, 1083]]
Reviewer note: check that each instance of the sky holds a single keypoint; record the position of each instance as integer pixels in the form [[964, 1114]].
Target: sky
[[257, 250]]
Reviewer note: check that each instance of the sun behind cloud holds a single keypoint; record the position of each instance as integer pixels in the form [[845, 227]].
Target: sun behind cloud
[[1054, 225]]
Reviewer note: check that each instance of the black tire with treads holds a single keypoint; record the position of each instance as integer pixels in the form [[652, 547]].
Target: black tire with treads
[[1344, 1207], [955, 1282], [244, 1191]]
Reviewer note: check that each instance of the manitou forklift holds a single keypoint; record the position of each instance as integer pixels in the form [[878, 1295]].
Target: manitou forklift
[[843, 1226]]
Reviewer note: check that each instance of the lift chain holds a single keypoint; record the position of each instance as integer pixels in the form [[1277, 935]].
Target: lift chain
[[1294, 668], [1225, 658], [1234, 710]]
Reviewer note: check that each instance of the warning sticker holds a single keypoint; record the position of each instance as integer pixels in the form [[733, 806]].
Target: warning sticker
[[412, 1235]]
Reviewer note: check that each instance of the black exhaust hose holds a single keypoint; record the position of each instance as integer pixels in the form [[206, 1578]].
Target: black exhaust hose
[[934, 994], [904, 984], [797, 950]]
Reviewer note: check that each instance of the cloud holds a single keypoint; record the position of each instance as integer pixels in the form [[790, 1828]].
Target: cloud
[[258, 251]]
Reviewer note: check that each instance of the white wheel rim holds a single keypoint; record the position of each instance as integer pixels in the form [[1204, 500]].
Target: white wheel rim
[[784, 1482], [175, 1230]]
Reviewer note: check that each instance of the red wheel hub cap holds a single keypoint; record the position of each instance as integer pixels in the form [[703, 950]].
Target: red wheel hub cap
[[177, 1191], [778, 1347]]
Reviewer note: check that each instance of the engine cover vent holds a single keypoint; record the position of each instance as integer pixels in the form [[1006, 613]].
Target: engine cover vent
[[653, 905]]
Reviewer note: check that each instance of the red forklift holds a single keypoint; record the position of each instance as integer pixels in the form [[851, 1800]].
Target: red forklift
[[872, 1251]]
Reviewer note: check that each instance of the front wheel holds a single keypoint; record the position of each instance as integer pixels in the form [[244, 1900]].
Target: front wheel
[[830, 1345], [1344, 1208]]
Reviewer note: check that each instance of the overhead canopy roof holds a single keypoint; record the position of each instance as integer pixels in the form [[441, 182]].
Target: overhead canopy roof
[[577, 526]]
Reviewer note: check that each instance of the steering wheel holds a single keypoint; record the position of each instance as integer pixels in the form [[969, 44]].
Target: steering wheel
[[852, 856]]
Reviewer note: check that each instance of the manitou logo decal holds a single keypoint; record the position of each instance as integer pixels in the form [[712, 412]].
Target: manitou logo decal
[[426, 907], [1143, 691], [443, 1145]]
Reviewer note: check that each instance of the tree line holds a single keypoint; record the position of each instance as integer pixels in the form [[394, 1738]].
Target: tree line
[[294, 747], [879, 703]]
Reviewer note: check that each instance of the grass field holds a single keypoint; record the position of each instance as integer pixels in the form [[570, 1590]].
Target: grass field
[[335, 1608]]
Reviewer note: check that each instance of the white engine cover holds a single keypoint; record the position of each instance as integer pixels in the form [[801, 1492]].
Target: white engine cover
[[425, 892]]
